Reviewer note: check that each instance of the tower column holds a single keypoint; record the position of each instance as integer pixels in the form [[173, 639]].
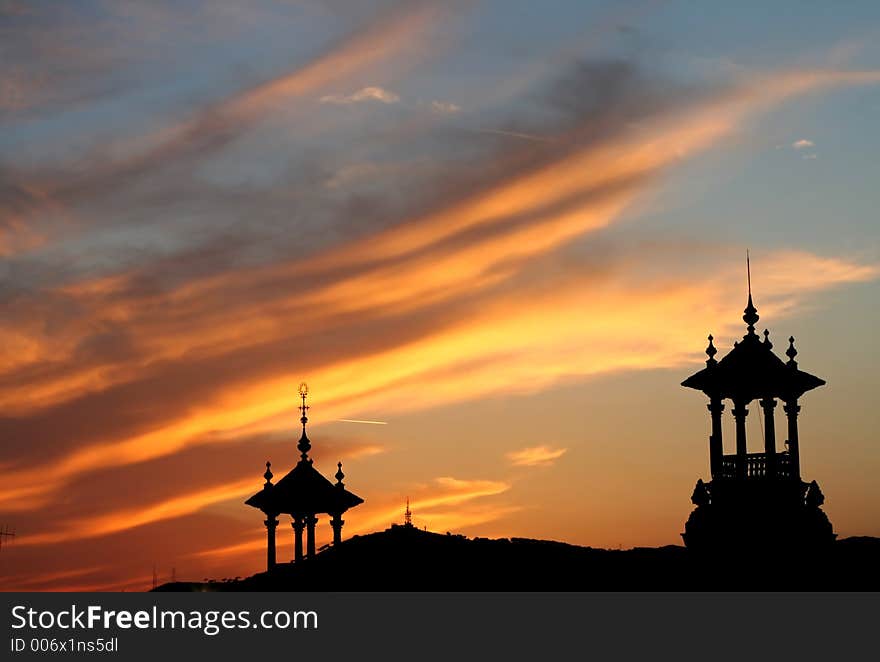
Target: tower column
[[336, 523], [768, 405], [311, 520], [739, 414], [792, 409], [270, 523], [716, 448], [298, 526]]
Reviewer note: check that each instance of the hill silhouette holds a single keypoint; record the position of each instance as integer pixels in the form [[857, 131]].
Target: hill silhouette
[[404, 558]]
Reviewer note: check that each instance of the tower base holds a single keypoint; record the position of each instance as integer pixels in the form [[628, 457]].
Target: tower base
[[748, 518]]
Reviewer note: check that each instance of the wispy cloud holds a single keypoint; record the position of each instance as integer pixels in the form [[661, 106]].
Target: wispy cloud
[[363, 94], [535, 456], [445, 107], [803, 143]]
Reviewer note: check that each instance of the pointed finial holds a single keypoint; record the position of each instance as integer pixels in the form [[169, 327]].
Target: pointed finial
[[304, 444], [711, 352], [750, 315], [268, 474], [749, 273], [339, 474], [303, 392], [791, 352], [767, 342]]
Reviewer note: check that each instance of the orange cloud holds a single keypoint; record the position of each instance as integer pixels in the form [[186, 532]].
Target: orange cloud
[[196, 322], [580, 328], [177, 506], [114, 522], [547, 197], [50, 579], [535, 456]]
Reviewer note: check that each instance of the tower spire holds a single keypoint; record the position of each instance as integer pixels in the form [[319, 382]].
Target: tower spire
[[750, 314], [791, 352], [304, 445], [749, 274], [407, 515], [711, 351]]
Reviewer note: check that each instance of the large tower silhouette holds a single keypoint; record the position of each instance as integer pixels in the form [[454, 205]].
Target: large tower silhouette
[[755, 501]]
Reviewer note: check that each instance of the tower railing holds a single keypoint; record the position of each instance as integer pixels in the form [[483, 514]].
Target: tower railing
[[756, 466]]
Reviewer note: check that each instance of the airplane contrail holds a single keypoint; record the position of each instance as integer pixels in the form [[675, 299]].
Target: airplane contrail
[[353, 420], [517, 134]]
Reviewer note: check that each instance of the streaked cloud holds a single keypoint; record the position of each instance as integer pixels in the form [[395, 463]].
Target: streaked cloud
[[803, 143], [114, 522], [535, 456]]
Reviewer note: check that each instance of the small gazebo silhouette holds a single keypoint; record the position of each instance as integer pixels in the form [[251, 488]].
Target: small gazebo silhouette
[[755, 500], [303, 494]]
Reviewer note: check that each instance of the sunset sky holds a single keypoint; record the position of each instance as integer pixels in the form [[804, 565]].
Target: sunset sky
[[502, 228]]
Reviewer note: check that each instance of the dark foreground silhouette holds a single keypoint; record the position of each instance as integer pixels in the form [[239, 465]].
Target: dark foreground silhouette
[[408, 559]]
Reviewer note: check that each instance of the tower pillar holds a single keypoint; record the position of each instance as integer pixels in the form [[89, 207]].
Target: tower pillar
[[739, 414], [336, 523], [298, 526], [768, 405], [311, 520], [792, 409], [271, 523], [716, 447]]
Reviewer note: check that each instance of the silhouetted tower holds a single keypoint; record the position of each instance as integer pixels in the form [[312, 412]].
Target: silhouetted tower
[[407, 515], [303, 494], [6, 535], [754, 500]]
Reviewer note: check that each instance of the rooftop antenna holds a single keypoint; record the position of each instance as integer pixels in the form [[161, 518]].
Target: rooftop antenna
[[407, 515], [6, 534]]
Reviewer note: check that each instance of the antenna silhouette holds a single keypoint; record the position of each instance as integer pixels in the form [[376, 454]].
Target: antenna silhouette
[[407, 515], [5, 533]]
